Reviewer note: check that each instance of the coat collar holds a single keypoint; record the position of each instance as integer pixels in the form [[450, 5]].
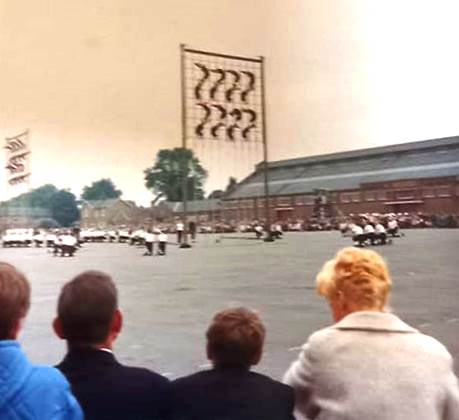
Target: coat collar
[[374, 321], [87, 356]]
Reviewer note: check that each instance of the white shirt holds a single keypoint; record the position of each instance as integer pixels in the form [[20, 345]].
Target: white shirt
[[68, 240], [392, 224], [162, 237], [369, 229], [149, 237], [179, 226], [380, 228], [357, 230]]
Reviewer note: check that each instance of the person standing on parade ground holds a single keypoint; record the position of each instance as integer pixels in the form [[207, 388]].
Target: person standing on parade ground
[[192, 229], [162, 243], [179, 227], [57, 243], [149, 238]]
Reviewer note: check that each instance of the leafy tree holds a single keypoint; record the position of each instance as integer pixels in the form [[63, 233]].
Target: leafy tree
[[38, 197], [64, 208], [101, 190], [48, 224], [61, 203], [171, 167]]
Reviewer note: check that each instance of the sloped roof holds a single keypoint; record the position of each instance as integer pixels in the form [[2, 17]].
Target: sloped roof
[[104, 204], [368, 152], [195, 205], [348, 170]]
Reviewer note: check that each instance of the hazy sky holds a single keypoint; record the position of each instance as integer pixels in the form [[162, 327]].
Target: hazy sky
[[97, 81]]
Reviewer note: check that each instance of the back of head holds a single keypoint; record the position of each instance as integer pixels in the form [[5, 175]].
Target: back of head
[[14, 299], [235, 338], [359, 276], [86, 307]]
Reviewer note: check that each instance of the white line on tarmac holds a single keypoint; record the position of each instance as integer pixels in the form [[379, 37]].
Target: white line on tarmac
[[294, 348], [450, 321], [426, 324]]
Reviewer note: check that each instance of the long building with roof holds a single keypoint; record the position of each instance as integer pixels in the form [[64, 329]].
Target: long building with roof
[[420, 176]]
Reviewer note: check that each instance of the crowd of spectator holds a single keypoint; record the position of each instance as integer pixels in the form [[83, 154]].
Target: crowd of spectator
[[325, 223], [368, 365]]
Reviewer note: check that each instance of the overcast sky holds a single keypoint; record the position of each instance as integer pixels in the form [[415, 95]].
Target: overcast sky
[[97, 81]]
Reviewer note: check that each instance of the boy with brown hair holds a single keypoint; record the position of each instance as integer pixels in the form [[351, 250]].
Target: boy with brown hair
[[27, 391], [230, 391]]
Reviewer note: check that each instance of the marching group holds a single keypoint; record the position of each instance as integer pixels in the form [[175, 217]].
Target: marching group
[[371, 230], [368, 365]]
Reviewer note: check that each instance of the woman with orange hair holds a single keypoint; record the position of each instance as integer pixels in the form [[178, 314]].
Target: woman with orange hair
[[369, 365]]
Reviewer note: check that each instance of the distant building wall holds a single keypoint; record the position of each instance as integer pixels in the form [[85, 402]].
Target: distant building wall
[[415, 177], [22, 217]]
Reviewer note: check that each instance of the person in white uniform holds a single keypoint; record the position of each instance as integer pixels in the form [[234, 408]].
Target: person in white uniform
[[392, 227], [369, 232], [179, 227], [162, 243], [358, 236], [380, 233], [68, 244], [149, 238]]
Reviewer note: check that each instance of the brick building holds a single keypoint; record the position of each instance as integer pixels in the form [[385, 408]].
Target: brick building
[[412, 177], [201, 211], [102, 214], [22, 217]]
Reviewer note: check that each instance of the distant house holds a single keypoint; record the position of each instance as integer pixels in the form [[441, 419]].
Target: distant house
[[103, 214], [22, 217], [209, 210]]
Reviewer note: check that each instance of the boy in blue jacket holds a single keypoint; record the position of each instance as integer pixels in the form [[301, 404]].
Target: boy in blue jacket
[[27, 391]]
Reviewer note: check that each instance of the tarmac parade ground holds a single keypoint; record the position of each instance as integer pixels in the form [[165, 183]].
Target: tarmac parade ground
[[168, 301]]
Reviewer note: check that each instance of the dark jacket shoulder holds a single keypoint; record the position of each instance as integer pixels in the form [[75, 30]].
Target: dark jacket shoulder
[[231, 394], [106, 389]]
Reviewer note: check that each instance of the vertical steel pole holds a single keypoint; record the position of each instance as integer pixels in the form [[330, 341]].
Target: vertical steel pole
[[269, 236], [185, 168]]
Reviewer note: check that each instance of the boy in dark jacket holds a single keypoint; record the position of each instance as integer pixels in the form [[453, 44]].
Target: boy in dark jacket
[[230, 391], [89, 319]]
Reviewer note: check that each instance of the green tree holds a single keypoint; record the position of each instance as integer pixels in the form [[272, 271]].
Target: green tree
[[38, 197], [64, 208], [101, 190], [171, 167]]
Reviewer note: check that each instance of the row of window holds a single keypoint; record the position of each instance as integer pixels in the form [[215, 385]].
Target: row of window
[[350, 197], [96, 213]]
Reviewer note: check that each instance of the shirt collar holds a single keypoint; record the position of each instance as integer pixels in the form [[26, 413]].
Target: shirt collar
[[374, 321]]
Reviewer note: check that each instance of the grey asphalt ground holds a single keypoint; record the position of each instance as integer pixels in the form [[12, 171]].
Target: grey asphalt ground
[[168, 301]]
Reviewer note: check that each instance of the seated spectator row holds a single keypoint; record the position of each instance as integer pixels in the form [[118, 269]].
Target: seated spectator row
[[368, 365]]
